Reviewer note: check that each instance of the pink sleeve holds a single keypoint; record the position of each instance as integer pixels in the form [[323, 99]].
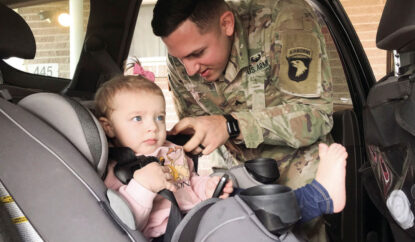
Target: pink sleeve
[[140, 200], [198, 183]]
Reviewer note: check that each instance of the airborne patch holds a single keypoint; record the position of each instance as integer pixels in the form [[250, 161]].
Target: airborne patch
[[300, 64], [299, 61]]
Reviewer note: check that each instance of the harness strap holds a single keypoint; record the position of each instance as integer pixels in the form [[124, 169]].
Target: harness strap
[[127, 163]]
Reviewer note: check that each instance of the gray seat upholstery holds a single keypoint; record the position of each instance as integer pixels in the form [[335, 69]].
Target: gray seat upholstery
[[53, 154], [75, 122]]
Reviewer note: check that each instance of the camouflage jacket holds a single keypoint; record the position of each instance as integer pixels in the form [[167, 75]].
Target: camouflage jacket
[[277, 83]]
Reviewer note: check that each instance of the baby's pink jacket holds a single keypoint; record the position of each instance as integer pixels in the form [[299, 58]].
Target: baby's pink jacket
[[151, 211]]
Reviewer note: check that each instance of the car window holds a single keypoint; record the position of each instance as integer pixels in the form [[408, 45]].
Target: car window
[[341, 94], [151, 52], [57, 46]]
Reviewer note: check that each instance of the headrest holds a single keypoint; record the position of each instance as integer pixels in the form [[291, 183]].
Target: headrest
[[16, 38], [75, 122], [396, 29]]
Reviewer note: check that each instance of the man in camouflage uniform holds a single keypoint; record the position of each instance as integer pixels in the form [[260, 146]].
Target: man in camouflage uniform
[[265, 63]]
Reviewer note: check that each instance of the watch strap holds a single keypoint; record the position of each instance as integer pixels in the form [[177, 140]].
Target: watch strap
[[232, 126]]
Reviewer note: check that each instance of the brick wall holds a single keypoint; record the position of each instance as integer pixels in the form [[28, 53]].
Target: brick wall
[[365, 16], [52, 40]]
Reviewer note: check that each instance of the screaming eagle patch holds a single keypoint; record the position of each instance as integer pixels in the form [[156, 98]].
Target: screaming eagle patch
[[300, 64], [299, 61]]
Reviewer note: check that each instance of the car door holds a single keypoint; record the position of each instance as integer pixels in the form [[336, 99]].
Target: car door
[[360, 219], [361, 129]]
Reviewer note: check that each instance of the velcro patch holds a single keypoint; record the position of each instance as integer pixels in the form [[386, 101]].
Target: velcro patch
[[300, 65]]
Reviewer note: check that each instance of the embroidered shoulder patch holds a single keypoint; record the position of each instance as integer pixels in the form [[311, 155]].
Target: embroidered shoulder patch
[[300, 64]]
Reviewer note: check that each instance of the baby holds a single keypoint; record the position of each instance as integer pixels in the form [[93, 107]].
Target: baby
[[131, 109]]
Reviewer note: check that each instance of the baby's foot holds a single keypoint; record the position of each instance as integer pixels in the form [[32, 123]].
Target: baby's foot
[[331, 173]]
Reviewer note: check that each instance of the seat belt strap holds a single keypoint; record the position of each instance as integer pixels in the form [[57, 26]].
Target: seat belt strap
[[175, 215]]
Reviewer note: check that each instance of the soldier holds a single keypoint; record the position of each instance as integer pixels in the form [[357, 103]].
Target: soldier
[[253, 75]]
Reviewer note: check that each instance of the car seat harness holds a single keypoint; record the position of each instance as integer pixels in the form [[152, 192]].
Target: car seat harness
[[265, 212]]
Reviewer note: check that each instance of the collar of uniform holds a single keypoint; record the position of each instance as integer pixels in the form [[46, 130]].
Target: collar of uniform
[[238, 58]]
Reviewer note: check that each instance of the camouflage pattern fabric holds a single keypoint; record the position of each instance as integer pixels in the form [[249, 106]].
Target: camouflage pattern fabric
[[277, 83]]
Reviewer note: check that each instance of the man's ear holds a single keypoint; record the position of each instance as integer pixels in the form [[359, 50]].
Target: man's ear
[[107, 126], [227, 23]]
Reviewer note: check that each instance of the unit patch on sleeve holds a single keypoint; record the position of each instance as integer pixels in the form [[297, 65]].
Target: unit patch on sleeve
[[300, 65]]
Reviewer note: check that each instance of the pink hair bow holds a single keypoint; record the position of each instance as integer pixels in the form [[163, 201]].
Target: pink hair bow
[[138, 70]]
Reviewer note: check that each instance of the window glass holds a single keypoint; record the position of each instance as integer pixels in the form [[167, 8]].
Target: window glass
[[365, 17], [53, 40], [145, 44], [152, 53], [341, 94]]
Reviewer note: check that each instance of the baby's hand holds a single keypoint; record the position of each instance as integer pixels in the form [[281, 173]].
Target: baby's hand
[[211, 186], [155, 177]]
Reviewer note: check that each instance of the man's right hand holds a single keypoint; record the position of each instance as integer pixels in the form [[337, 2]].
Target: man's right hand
[[208, 131], [155, 177]]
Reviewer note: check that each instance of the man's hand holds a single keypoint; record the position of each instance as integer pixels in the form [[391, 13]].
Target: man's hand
[[211, 186], [209, 132], [155, 177]]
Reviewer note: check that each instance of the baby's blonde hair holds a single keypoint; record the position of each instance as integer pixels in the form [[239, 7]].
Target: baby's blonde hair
[[106, 93]]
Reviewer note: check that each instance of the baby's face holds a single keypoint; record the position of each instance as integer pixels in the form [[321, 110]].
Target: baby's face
[[138, 120]]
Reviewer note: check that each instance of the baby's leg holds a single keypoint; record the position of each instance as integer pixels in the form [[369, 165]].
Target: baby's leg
[[331, 173]]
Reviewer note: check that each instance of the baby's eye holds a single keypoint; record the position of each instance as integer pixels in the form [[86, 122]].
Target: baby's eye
[[160, 118], [137, 118]]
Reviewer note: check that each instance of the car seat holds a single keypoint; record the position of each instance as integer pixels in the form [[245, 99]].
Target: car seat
[[53, 154], [389, 123]]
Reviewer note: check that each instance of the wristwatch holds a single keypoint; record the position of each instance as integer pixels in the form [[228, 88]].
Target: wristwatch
[[232, 126]]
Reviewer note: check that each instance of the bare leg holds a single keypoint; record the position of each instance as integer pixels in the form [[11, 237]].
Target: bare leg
[[331, 173]]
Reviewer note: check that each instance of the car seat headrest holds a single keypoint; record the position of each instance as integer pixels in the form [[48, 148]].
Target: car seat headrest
[[396, 29], [17, 39], [75, 122]]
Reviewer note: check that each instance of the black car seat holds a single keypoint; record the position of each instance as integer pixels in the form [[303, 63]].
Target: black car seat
[[53, 154], [389, 123]]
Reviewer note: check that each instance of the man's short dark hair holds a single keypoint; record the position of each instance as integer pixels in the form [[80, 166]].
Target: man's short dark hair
[[169, 14]]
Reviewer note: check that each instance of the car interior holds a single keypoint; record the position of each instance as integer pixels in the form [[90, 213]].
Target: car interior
[[53, 152]]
